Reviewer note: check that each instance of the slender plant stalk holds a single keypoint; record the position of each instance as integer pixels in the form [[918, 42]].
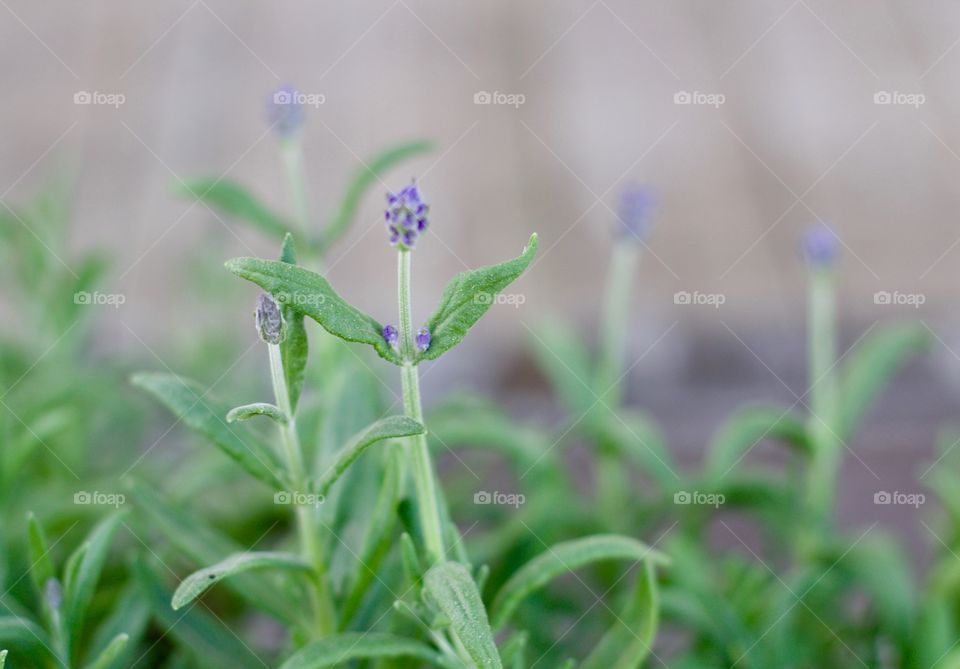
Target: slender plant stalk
[[419, 455], [292, 155], [323, 609], [823, 395], [611, 479]]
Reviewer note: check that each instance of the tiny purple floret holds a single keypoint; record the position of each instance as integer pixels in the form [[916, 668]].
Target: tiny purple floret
[[390, 335], [406, 217], [820, 246], [635, 212], [423, 339], [285, 111]]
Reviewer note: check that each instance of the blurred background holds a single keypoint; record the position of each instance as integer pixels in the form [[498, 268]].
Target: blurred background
[[752, 120]]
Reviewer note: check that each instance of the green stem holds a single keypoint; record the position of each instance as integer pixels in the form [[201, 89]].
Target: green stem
[[613, 332], [312, 547], [293, 165], [823, 396], [612, 484], [418, 454]]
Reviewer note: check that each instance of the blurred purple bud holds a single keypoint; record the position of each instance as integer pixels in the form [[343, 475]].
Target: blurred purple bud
[[635, 212], [423, 339], [269, 320], [406, 217], [820, 246], [285, 111], [390, 335], [53, 594]]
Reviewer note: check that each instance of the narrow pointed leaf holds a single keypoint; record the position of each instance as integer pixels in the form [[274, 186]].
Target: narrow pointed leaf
[[312, 295], [110, 653], [294, 347], [336, 650], [369, 175], [199, 581], [562, 558], [628, 643], [451, 588], [186, 400], [205, 545], [248, 411], [80, 583], [747, 428], [468, 296], [386, 428], [25, 637], [870, 368], [42, 565], [233, 199]]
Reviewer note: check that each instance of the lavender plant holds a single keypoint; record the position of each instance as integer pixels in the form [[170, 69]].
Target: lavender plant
[[441, 618]]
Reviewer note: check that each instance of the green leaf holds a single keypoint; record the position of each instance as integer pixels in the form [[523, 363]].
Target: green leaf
[[333, 651], [199, 581], [83, 572], [566, 557], [747, 428], [205, 545], [450, 586], [627, 644], [3, 659], [185, 399], [514, 650], [128, 616], [369, 175], [468, 296], [248, 411], [205, 637], [294, 347], [871, 367], [110, 653], [639, 440], [565, 361], [24, 637], [311, 294], [235, 200], [386, 428], [42, 566]]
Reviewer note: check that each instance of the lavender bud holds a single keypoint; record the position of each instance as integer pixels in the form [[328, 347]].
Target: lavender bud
[[423, 339], [406, 217], [284, 111], [269, 320], [390, 335], [53, 594], [820, 246], [635, 212]]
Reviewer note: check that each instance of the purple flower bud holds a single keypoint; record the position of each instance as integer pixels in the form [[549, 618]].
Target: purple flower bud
[[635, 211], [390, 335], [406, 217], [423, 339], [285, 111], [820, 246], [53, 593], [269, 320]]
